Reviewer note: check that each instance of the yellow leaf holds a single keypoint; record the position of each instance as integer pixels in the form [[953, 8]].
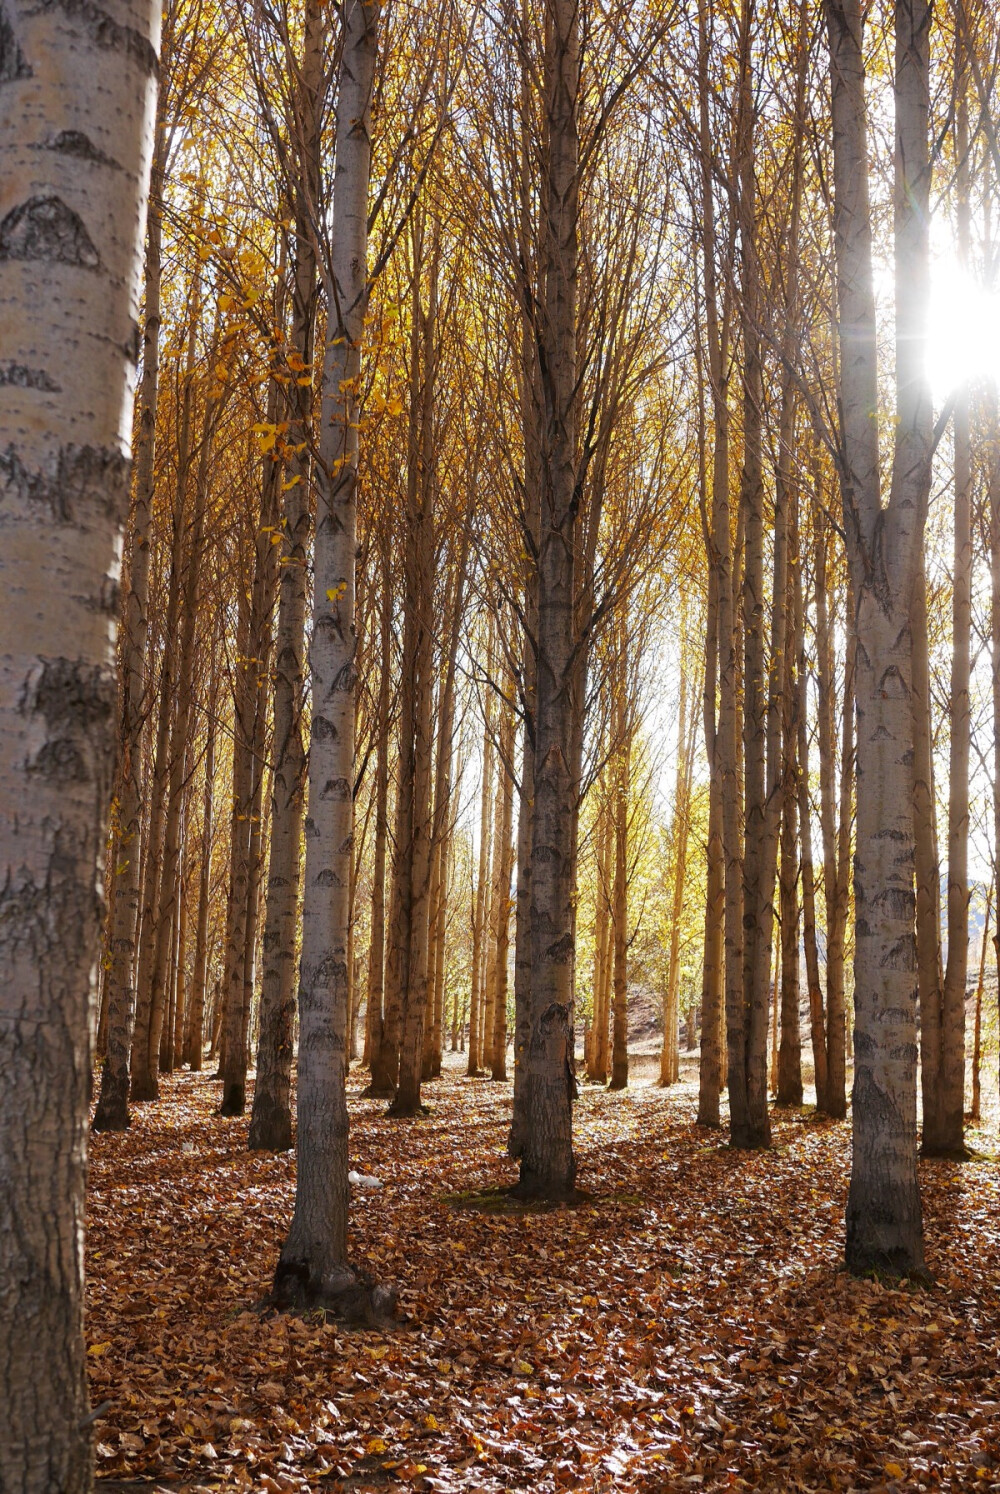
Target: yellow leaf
[[893, 1470], [291, 483], [376, 1445], [96, 1350], [225, 302], [395, 405]]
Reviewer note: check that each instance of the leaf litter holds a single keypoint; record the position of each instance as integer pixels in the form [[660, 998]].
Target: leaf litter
[[687, 1326]]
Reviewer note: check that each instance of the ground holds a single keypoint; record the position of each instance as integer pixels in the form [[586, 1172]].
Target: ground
[[688, 1327]]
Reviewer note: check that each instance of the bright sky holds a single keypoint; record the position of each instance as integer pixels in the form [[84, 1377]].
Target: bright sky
[[964, 330]]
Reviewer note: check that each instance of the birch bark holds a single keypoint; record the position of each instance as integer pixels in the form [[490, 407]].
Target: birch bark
[[271, 1118], [313, 1263], [76, 128], [884, 1227]]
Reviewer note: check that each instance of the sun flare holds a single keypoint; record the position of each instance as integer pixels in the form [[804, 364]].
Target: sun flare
[[964, 330]]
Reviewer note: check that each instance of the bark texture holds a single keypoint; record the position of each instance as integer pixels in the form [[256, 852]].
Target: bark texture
[[548, 1166], [313, 1265], [884, 1226], [77, 92]]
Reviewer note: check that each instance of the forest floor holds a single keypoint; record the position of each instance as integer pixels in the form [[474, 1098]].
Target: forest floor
[[688, 1327]]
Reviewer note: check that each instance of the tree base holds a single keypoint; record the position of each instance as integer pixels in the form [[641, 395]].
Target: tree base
[[376, 1091], [617, 1085], [407, 1109], [112, 1106], [750, 1141], [348, 1294], [533, 1187], [144, 1089], [270, 1128], [943, 1152], [546, 1191], [234, 1099]]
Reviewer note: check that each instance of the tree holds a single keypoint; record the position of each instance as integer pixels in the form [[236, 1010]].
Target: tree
[[884, 1227], [76, 146], [312, 1267]]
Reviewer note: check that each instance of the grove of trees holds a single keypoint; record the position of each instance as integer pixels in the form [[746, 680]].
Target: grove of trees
[[509, 535]]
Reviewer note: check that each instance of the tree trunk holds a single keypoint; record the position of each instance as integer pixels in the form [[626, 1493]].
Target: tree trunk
[[600, 1050], [789, 1085], [480, 897], [884, 1227], [313, 1263], [930, 976], [817, 1015], [548, 1166], [70, 273], [419, 597], [719, 699], [112, 1105], [143, 1056], [947, 1136], [505, 860], [180, 733], [977, 1050], [619, 917], [669, 1054], [271, 1118], [195, 1041], [376, 946]]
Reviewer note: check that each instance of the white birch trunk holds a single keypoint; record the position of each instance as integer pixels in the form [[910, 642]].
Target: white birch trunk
[[884, 1228], [75, 141], [313, 1263]]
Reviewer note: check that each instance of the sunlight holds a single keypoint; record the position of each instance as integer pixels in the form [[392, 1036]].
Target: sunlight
[[964, 330]]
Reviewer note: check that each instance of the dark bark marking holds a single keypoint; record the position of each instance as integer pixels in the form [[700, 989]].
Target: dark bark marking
[[13, 64], [337, 789], [85, 477], [77, 702], [75, 143], [561, 952], [902, 955], [44, 228], [104, 31], [898, 902], [892, 686], [17, 376]]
